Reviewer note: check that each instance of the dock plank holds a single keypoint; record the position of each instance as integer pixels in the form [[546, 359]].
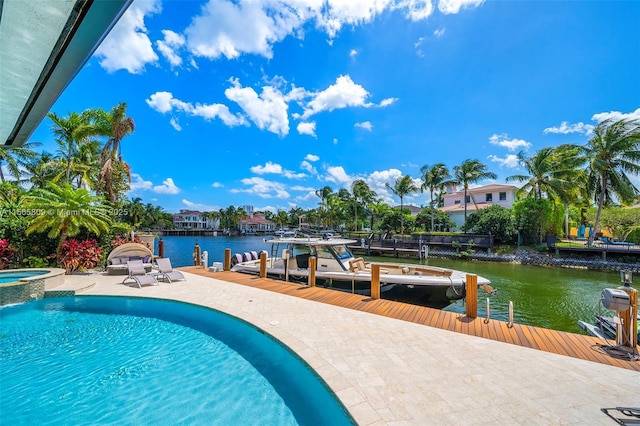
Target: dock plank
[[558, 342]]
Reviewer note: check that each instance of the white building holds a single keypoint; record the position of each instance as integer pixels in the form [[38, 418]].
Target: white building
[[257, 224], [477, 198], [192, 219]]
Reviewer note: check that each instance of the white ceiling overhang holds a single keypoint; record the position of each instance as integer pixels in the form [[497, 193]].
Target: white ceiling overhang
[[43, 44]]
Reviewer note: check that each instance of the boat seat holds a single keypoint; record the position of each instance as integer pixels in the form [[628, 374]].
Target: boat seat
[[357, 264]]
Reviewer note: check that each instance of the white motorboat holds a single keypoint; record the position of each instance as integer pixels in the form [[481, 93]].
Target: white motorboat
[[336, 267]]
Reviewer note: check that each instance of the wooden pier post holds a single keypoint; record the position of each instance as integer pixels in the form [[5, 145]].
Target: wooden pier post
[[196, 255], [375, 281], [263, 264], [472, 296], [312, 271], [161, 247], [227, 259], [629, 336]]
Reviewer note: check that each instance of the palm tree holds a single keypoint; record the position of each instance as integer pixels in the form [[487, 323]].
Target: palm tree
[[115, 125], [361, 191], [71, 132], [66, 211], [549, 170], [324, 194], [470, 171], [41, 170], [434, 178], [612, 153], [404, 186], [16, 157]]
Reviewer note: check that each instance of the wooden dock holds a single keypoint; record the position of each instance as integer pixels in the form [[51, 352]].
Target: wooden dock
[[557, 342]]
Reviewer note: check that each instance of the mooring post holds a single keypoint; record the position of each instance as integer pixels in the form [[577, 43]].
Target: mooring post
[[472, 295], [312, 271], [375, 281], [263, 264], [161, 247], [629, 318], [227, 259], [196, 254]]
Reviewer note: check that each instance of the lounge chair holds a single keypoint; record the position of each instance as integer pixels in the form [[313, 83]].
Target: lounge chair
[[608, 240], [138, 274], [166, 270]]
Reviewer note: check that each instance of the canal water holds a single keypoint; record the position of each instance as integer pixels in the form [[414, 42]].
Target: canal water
[[554, 298]]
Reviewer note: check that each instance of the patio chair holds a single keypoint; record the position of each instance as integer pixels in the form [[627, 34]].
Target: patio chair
[[137, 273], [166, 270]]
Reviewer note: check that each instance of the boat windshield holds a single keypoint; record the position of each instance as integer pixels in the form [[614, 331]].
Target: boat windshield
[[342, 252]]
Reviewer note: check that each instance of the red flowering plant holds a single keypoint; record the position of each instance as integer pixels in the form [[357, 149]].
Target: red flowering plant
[[7, 253], [78, 255], [120, 240]]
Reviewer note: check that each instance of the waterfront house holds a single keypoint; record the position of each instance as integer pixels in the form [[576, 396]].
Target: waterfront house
[[477, 199], [193, 219], [256, 224]]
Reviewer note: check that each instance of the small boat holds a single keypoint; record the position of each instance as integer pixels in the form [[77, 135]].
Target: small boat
[[603, 327], [337, 268]]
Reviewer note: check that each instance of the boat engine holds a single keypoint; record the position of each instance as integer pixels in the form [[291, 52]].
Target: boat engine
[[616, 300]]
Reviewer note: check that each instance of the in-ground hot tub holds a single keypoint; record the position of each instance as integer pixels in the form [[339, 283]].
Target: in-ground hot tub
[[21, 285]]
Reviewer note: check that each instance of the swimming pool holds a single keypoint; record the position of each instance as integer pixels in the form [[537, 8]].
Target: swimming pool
[[13, 276], [100, 359]]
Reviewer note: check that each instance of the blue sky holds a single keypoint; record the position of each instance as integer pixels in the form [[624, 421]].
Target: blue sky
[[262, 102]]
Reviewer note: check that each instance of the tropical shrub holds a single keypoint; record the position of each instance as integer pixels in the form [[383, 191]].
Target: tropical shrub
[[76, 255], [495, 220], [7, 253], [535, 219]]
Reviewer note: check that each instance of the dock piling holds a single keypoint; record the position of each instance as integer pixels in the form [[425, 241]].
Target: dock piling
[[472, 295], [312, 271], [375, 281], [227, 259], [263, 264]]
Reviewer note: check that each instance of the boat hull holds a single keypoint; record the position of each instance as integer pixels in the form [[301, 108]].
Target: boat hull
[[427, 290]]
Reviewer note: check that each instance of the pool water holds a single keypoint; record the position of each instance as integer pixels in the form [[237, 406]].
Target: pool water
[[116, 360], [10, 277]]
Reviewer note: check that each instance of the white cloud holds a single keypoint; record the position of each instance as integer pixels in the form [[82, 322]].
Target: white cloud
[[167, 187], [168, 47], [274, 168], [269, 167], [137, 183], [566, 128], [337, 175], [164, 102], [387, 102], [263, 188], [335, 141], [267, 110], [174, 123], [311, 157], [451, 7], [510, 161], [418, 46], [217, 185], [510, 144], [366, 125], [342, 94], [439, 32], [199, 206], [377, 181], [128, 46], [580, 127], [353, 53], [230, 29], [417, 9], [305, 128], [616, 116], [305, 165], [302, 188]]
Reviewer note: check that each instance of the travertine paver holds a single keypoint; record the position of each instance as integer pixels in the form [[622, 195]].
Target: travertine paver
[[388, 371]]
